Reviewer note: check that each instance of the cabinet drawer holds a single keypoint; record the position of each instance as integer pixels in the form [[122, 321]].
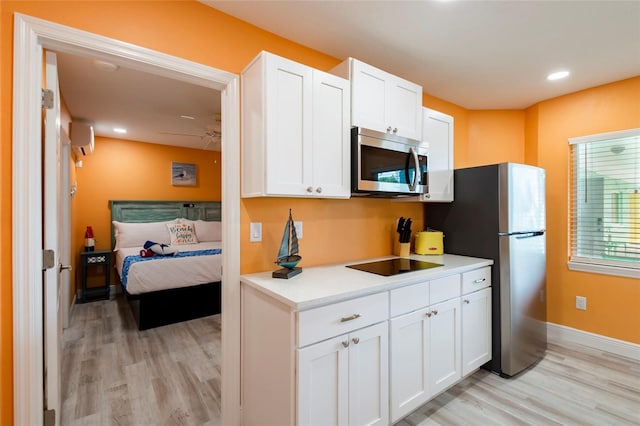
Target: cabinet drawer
[[331, 320], [475, 280], [444, 288], [409, 298]]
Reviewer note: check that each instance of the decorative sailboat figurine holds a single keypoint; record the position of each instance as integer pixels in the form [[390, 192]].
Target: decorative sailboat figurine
[[288, 256]]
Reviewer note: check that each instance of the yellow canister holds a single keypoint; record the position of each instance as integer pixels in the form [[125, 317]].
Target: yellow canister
[[429, 242]]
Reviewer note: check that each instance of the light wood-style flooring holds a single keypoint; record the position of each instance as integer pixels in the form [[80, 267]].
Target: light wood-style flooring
[[114, 374]]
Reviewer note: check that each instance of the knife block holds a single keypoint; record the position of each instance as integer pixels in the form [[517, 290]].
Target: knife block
[[401, 249]]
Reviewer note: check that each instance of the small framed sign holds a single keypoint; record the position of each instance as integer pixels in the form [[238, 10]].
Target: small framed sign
[[183, 174]]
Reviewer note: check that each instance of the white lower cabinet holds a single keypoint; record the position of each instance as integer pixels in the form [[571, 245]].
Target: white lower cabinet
[[425, 355], [369, 360], [476, 330], [344, 380]]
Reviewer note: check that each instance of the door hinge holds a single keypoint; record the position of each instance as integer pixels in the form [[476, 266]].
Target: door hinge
[[47, 98], [49, 417], [48, 259]]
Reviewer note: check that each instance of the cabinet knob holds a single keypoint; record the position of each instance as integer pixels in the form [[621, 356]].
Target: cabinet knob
[[355, 340], [479, 280], [389, 129], [319, 190], [395, 130], [345, 343], [309, 189], [350, 318], [428, 314], [435, 312], [466, 301]]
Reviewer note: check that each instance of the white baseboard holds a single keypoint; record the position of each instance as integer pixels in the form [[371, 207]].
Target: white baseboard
[[559, 334]]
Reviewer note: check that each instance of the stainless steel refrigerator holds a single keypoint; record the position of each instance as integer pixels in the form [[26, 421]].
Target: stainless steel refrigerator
[[498, 213]]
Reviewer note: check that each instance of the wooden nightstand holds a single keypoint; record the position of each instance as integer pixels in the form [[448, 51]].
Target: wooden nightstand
[[91, 259]]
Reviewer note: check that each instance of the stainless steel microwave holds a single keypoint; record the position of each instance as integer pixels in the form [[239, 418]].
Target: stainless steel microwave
[[385, 165]]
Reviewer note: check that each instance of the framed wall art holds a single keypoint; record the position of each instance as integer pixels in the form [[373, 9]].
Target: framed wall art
[[183, 174]]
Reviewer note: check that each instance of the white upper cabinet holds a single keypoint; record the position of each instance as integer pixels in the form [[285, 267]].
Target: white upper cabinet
[[382, 101], [437, 136], [295, 130]]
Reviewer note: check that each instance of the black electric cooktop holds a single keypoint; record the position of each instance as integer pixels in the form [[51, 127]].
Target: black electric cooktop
[[394, 266]]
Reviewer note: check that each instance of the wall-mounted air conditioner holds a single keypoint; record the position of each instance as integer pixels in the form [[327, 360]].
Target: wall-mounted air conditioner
[[82, 137]]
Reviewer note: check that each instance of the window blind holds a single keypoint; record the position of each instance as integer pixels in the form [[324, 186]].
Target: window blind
[[605, 202]]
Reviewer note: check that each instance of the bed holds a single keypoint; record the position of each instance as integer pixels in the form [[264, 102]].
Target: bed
[[167, 289]]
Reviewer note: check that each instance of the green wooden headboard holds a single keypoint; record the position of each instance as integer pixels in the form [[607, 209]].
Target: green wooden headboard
[[159, 211]]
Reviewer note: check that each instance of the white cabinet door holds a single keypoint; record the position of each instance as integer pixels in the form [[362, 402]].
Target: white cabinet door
[[408, 360], [437, 134], [444, 357], [384, 102], [323, 383], [369, 376], [331, 152], [292, 113], [288, 124], [476, 330], [345, 380], [404, 110]]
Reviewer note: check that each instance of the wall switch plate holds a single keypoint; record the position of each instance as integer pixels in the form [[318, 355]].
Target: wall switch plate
[[298, 225], [581, 303], [255, 232]]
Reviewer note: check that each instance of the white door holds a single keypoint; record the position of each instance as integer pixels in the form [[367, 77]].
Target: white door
[[52, 223], [323, 384], [409, 363], [331, 136], [369, 376], [476, 330], [444, 345]]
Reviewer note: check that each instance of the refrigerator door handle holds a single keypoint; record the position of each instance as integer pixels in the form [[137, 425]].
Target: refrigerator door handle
[[529, 234]]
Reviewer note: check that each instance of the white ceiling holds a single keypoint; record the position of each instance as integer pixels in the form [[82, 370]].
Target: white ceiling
[[477, 54], [149, 106]]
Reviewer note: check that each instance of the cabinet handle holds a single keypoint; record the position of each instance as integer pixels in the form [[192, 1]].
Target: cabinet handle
[[395, 130], [309, 189], [355, 340], [428, 314], [466, 301], [479, 280], [345, 343], [319, 190], [435, 312], [352, 317], [389, 129]]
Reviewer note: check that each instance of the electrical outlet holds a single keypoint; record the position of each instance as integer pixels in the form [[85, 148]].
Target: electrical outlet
[[298, 225], [581, 303], [255, 232]]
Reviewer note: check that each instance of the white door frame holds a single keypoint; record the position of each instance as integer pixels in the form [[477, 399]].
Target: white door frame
[[31, 35]]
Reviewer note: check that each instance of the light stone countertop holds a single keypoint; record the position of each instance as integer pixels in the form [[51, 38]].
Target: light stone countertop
[[322, 285]]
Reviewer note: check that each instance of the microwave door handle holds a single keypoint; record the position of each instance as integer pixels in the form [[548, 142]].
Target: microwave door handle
[[414, 154]]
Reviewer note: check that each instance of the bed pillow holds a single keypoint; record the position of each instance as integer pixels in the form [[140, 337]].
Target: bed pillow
[[129, 234], [206, 230], [182, 233]]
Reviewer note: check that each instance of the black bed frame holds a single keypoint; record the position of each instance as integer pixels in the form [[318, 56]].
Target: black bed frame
[[179, 304]]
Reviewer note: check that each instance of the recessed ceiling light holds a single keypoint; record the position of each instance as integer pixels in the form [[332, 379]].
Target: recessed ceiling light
[[188, 117], [558, 75], [119, 130]]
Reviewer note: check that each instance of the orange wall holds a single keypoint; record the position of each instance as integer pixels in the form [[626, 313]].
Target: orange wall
[[126, 170], [193, 31], [612, 302]]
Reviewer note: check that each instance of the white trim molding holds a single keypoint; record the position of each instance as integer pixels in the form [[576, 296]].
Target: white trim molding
[[559, 334], [31, 36]]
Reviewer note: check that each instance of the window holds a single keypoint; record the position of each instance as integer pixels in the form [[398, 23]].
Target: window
[[605, 203]]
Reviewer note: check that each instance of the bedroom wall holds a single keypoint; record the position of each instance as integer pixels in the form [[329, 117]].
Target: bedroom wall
[[127, 170]]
